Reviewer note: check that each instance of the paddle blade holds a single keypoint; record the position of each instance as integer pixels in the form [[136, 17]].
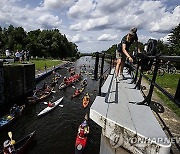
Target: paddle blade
[[10, 135], [73, 87], [46, 103], [12, 142], [53, 91], [61, 105]]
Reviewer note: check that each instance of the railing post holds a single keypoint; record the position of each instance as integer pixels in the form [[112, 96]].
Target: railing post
[[138, 84], [110, 65], [136, 75], [177, 95], [102, 66], [96, 66], [1, 83], [147, 100]]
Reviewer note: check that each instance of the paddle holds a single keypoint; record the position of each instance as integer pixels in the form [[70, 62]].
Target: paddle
[[73, 87], [53, 91], [10, 136]]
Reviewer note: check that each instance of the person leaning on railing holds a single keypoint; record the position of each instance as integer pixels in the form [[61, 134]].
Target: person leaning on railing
[[122, 52]]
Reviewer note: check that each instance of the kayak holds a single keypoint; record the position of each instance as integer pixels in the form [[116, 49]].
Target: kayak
[[84, 82], [81, 141], [86, 100], [48, 109], [22, 145], [80, 91], [43, 96], [80, 144], [7, 119], [69, 81]]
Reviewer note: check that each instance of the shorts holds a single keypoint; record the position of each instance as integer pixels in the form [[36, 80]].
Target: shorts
[[120, 55]]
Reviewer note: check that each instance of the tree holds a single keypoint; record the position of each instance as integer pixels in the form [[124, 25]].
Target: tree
[[174, 39]]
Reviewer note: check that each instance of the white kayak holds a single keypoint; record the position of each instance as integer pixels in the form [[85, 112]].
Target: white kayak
[[48, 109]]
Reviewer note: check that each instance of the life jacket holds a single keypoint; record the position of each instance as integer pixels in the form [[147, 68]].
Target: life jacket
[[81, 134], [50, 104]]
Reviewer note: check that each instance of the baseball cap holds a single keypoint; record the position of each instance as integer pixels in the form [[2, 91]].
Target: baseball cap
[[133, 31]]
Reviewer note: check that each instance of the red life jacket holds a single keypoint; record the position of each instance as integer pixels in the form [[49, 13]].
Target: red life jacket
[[81, 134]]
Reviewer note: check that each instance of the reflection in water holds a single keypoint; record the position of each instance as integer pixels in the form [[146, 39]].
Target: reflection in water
[[56, 131]]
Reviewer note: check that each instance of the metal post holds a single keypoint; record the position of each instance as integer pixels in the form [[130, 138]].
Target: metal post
[[96, 66], [138, 84], [110, 65], [102, 66], [147, 100], [1, 83], [177, 96], [136, 75]]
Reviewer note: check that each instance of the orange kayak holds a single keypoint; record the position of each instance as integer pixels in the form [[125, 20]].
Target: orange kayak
[[86, 100]]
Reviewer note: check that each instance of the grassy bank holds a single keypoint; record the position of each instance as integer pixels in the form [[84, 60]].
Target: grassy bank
[[169, 83], [41, 63]]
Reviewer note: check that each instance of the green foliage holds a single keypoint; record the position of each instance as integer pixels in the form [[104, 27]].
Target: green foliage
[[45, 43], [174, 40]]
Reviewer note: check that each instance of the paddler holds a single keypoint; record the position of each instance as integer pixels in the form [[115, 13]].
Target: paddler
[[8, 147]]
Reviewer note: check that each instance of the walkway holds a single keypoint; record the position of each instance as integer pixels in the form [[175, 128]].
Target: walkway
[[124, 124]]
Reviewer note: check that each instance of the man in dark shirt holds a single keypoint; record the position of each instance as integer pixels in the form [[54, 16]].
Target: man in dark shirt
[[122, 52]]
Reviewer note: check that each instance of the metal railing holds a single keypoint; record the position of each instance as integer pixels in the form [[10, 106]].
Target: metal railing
[[139, 69]]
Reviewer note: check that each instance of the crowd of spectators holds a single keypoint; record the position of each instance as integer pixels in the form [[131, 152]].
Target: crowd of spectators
[[20, 56]]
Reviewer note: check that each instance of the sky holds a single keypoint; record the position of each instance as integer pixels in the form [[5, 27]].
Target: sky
[[94, 25]]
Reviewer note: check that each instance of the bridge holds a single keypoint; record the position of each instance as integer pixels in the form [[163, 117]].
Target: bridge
[[128, 123]]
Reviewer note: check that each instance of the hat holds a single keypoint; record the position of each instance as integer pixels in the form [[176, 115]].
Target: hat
[[133, 31], [84, 123], [6, 143]]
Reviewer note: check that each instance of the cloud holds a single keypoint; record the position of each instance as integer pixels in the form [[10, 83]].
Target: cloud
[[107, 37], [76, 27], [46, 21], [98, 23], [78, 38], [29, 19], [54, 4], [167, 22], [81, 9]]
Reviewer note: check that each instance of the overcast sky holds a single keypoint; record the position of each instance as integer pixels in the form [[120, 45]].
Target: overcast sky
[[94, 25]]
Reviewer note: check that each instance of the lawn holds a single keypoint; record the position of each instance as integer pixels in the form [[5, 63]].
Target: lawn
[[169, 82], [40, 64]]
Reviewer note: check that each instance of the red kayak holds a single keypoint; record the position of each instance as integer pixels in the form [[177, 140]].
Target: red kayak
[[80, 144], [81, 138]]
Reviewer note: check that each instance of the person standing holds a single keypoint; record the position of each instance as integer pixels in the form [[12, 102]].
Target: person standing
[[122, 52]]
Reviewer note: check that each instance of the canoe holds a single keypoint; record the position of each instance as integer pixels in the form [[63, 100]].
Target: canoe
[[48, 109], [86, 100], [76, 94], [9, 118], [81, 141], [44, 96], [22, 145]]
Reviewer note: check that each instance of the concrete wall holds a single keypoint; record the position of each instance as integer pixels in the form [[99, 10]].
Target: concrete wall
[[18, 80]]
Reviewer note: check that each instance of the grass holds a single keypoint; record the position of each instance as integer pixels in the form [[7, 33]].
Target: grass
[[169, 82], [40, 64]]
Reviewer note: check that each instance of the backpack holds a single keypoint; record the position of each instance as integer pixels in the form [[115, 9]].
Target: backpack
[[151, 47], [150, 50]]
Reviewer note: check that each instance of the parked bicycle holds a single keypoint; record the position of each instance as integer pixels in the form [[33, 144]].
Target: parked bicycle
[[160, 71], [169, 68]]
